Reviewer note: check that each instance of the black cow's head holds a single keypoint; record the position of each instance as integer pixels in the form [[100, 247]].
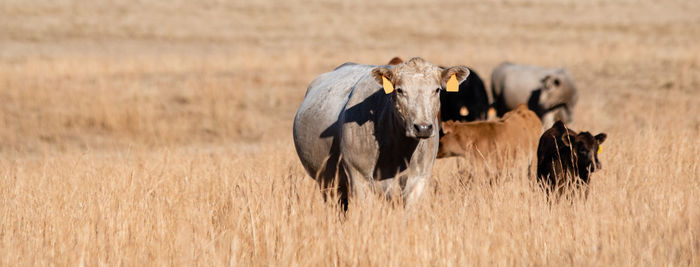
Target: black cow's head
[[585, 148]]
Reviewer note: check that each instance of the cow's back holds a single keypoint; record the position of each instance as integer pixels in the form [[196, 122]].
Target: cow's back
[[316, 128], [512, 84], [519, 83], [523, 128]]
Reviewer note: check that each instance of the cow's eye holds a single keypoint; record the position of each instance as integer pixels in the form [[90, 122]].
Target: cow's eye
[[399, 91], [437, 90]]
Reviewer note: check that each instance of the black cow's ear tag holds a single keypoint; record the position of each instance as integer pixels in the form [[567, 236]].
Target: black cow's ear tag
[[452, 84], [388, 87]]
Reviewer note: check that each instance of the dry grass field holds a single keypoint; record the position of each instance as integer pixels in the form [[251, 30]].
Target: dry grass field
[[159, 132]]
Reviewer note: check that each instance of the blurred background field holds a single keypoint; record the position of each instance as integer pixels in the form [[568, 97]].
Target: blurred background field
[[151, 131]]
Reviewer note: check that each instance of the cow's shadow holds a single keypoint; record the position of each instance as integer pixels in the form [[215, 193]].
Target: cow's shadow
[[395, 149]]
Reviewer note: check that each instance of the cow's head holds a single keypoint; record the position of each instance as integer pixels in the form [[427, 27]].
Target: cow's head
[[585, 147], [449, 143], [557, 98], [415, 87]]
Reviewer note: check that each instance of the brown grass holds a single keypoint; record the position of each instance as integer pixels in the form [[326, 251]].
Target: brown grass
[[160, 132]]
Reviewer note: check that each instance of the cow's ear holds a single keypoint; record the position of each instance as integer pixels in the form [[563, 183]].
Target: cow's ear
[[384, 77], [547, 81], [452, 77], [559, 125], [447, 126], [550, 81], [567, 139], [395, 61], [601, 137]]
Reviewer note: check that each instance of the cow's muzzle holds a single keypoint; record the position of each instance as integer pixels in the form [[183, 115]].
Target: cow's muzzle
[[423, 130]]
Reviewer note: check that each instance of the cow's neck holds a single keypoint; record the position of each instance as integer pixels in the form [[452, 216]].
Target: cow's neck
[[533, 103], [394, 126], [395, 149], [583, 169]]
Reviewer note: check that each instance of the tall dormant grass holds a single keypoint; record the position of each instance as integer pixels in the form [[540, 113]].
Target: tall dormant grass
[[160, 133]]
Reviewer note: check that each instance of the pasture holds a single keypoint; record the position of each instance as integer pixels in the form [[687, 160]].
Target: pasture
[[160, 132]]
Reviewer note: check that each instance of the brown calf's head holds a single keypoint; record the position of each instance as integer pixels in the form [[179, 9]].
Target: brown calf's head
[[449, 143], [415, 87], [585, 147]]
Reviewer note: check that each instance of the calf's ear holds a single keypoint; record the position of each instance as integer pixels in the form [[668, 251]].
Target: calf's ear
[[601, 137], [567, 139], [453, 76], [559, 125], [447, 127], [384, 77]]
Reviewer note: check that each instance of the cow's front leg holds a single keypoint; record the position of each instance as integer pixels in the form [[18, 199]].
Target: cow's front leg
[[361, 185], [420, 170], [414, 188]]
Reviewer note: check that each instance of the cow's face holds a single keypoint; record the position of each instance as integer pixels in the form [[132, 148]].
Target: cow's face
[[585, 147], [449, 143], [415, 87], [557, 90]]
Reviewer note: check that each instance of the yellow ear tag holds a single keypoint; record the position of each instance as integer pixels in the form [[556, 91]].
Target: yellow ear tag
[[600, 149], [388, 87], [452, 84]]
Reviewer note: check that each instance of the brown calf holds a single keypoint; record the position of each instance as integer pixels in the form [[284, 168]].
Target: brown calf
[[567, 157], [490, 140]]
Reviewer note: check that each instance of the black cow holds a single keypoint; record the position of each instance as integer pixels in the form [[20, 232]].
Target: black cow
[[566, 157], [471, 103]]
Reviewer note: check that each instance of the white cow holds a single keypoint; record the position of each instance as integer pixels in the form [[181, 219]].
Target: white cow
[[355, 130], [550, 93]]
